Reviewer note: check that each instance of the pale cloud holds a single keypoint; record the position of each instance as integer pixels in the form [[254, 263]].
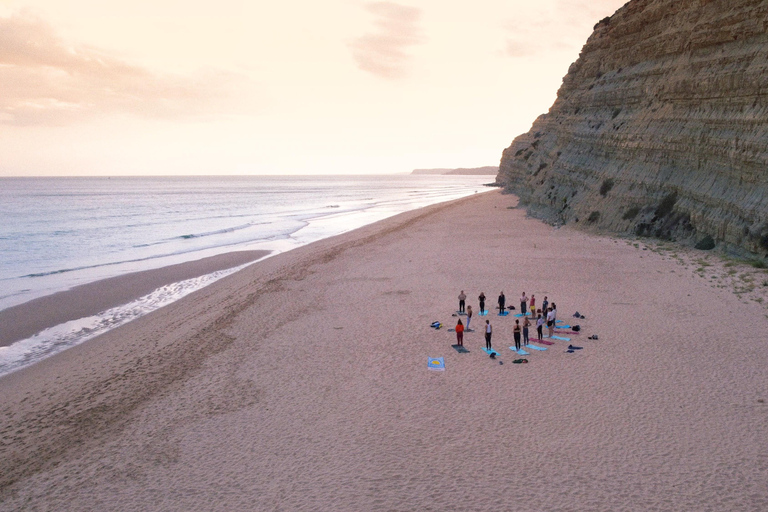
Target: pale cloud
[[384, 53], [46, 80]]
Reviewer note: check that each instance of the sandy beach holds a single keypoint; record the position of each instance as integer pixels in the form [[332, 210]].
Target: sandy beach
[[301, 383]]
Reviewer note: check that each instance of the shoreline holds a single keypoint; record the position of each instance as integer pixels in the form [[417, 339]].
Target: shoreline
[[27, 319], [301, 383]]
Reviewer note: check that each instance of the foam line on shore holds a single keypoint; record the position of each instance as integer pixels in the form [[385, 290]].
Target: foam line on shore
[[84, 301]]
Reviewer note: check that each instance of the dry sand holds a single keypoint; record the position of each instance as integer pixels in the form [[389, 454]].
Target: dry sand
[[301, 383]]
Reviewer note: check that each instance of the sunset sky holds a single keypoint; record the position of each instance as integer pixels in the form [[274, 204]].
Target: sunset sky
[[89, 87]]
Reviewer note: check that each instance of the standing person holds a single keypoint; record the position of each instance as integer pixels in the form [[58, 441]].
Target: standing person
[[481, 300], [469, 316], [502, 301], [516, 333], [540, 325], [533, 305], [544, 306], [554, 315], [524, 304], [462, 298], [526, 324], [550, 322], [488, 332], [460, 333]]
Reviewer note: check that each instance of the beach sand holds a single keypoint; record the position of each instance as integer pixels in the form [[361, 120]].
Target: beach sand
[[301, 383], [25, 320]]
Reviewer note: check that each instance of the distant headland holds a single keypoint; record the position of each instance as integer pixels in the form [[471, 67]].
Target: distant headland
[[490, 170]]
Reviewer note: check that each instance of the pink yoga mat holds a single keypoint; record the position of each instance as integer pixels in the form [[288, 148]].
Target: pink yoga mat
[[544, 342]]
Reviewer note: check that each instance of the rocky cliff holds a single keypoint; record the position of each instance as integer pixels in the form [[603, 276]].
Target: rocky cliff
[[660, 128]]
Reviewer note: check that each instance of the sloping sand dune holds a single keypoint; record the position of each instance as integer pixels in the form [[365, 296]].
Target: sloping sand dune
[[301, 383]]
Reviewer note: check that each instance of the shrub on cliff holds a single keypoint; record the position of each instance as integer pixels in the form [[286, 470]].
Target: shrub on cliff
[[666, 205], [705, 244], [606, 186]]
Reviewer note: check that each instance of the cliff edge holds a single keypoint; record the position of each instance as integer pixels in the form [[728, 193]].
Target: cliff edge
[[660, 128]]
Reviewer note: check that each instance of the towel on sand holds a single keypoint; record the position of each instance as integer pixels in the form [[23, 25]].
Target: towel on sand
[[436, 363]]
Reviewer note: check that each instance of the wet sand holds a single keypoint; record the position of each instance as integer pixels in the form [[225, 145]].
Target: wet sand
[[25, 320], [301, 383]]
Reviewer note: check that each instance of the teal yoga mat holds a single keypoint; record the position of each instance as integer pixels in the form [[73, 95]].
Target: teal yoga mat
[[489, 352], [521, 351], [534, 347], [562, 338]]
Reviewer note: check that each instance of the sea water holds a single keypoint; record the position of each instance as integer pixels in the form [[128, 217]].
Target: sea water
[[57, 233]]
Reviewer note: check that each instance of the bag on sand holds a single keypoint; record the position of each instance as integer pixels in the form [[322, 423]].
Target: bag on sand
[[576, 328], [520, 361]]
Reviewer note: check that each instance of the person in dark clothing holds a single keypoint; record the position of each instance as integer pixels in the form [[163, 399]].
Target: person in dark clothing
[[502, 301], [540, 326], [516, 333], [526, 323], [481, 300], [462, 298]]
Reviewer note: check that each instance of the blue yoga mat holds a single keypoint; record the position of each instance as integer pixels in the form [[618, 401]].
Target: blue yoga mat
[[534, 347], [505, 313], [562, 327], [561, 338], [483, 313], [521, 351], [489, 352], [520, 315]]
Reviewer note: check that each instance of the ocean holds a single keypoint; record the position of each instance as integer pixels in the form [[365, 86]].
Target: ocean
[[57, 233]]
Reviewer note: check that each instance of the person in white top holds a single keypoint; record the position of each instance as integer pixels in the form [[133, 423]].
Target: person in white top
[[551, 322]]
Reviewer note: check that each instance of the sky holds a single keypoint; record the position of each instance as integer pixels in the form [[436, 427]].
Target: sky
[[231, 87]]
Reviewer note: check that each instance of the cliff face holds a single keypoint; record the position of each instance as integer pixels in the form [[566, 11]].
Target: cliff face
[[660, 127]]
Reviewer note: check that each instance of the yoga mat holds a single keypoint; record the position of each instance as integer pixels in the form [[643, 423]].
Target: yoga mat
[[561, 338], [436, 363], [567, 332], [484, 313], [545, 342], [505, 313], [534, 347], [460, 349], [489, 352], [521, 351]]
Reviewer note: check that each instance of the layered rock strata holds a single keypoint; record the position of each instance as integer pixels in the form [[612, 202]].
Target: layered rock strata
[[660, 127]]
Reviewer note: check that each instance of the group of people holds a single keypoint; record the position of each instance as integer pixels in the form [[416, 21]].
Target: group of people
[[547, 314]]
